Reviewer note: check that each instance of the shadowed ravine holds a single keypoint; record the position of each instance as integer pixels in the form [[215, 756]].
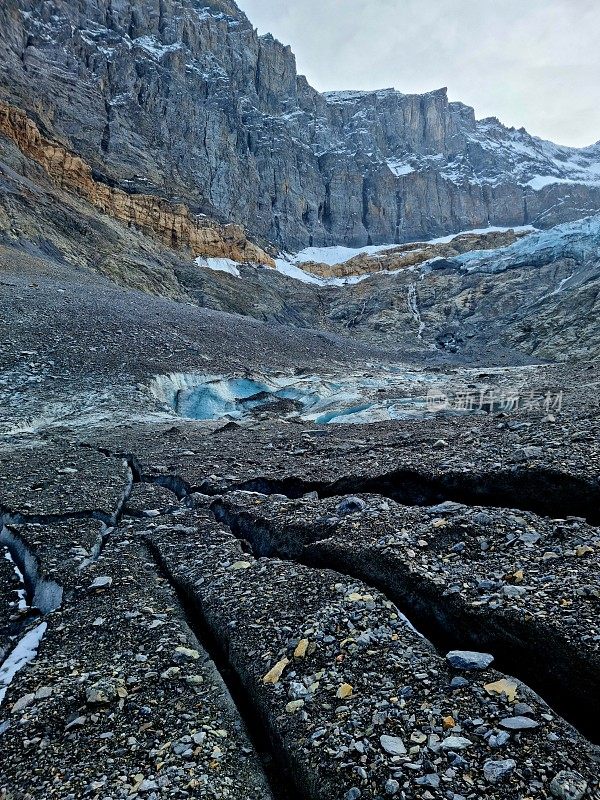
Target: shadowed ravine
[[545, 492]]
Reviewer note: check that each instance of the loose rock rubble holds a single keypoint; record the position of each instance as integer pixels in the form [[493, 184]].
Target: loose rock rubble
[[301, 604], [194, 638], [121, 700], [358, 701], [54, 482]]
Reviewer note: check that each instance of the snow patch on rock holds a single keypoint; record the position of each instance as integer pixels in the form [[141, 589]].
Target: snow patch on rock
[[23, 653], [151, 45], [220, 265], [291, 265]]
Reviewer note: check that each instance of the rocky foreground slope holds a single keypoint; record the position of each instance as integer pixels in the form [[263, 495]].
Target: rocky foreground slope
[[184, 100], [255, 607]]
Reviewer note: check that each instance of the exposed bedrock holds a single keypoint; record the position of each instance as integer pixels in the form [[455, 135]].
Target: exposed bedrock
[[189, 102], [173, 224]]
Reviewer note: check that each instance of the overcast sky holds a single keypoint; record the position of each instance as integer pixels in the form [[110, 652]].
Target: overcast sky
[[532, 63]]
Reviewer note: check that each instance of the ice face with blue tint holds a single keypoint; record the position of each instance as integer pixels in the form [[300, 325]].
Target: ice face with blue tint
[[579, 240], [218, 399], [352, 399], [342, 415]]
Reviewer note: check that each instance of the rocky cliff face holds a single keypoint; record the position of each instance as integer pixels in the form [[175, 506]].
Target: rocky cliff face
[[184, 100], [172, 224]]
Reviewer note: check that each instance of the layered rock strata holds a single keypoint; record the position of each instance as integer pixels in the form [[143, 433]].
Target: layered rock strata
[[173, 224]]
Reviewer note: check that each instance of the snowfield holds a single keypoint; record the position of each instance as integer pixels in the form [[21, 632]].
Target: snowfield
[[291, 265]]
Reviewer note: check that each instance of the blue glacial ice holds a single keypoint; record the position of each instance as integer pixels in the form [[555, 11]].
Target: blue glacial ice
[[351, 399], [579, 241]]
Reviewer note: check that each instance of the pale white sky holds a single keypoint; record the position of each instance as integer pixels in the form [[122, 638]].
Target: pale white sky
[[532, 63]]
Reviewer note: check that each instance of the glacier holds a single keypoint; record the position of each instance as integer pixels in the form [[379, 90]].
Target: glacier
[[399, 393], [578, 240]]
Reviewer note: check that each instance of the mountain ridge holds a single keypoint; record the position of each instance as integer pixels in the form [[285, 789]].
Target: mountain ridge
[[186, 99]]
